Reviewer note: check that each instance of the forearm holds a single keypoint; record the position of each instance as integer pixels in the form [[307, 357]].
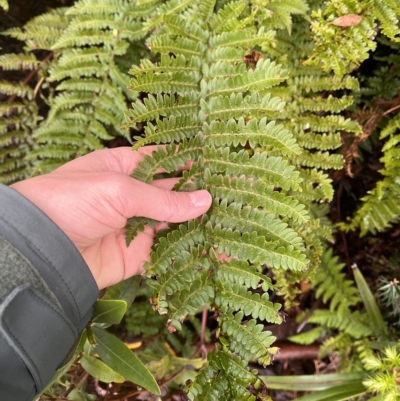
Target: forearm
[[46, 297]]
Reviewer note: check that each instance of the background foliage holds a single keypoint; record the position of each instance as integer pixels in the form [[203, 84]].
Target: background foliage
[[288, 110]]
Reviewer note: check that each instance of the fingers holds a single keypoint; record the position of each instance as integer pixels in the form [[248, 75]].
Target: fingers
[[139, 199], [120, 160]]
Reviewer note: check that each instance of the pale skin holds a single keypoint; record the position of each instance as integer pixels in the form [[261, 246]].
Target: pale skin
[[91, 198]]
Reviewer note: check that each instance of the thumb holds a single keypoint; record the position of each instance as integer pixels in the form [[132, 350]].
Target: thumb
[[163, 205]]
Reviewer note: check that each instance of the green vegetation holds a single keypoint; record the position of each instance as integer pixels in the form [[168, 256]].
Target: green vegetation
[[271, 102]]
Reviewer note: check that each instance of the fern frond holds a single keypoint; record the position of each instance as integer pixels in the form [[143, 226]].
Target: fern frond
[[377, 213], [256, 249], [42, 31], [177, 25], [355, 324], [185, 47], [18, 62], [318, 84], [234, 297], [226, 54], [168, 64], [279, 14], [331, 284], [237, 106], [247, 219], [168, 159], [241, 272], [257, 194], [248, 340], [308, 337], [230, 12], [152, 108], [174, 83], [243, 38], [317, 104], [255, 133], [175, 280], [272, 170], [311, 140], [265, 75], [174, 128], [171, 7], [190, 301], [320, 160], [330, 123], [136, 225], [90, 7], [212, 383], [176, 241], [16, 88]]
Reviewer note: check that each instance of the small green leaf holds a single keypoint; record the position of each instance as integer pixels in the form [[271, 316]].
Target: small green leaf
[[109, 311], [90, 337], [75, 395], [121, 359], [125, 290], [372, 308], [99, 370]]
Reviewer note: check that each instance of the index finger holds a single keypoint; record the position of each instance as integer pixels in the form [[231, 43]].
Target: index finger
[[121, 160]]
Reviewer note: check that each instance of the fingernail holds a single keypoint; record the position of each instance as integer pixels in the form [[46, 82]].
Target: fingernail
[[200, 198]]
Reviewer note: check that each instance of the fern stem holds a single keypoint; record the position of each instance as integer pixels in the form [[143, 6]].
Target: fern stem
[[30, 76]]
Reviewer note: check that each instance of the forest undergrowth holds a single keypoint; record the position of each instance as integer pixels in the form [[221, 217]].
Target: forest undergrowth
[[301, 98]]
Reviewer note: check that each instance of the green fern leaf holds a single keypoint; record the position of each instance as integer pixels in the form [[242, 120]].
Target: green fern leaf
[[332, 285], [257, 194], [168, 159], [235, 297], [230, 12], [190, 301], [176, 241], [255, 133], [247, 219], [265, 75], [241, 272], [18, 62], [249, 341], [174, 83], [152, 108], [136, 225], [237, 106], [354, 324], [16, 88], [83, 7], [256, 249], [175, 280], [243, 38], [169, 129], [177, 25], [273, 170]]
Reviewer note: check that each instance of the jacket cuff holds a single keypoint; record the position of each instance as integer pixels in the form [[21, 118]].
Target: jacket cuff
[[51, 252], [35, 332]]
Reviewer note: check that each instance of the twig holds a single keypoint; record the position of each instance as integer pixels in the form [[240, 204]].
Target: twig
[[31, 75], [390, 110], [203, 325]]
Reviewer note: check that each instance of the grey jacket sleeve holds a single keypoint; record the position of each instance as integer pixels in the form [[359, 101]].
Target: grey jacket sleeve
[[46, 297]]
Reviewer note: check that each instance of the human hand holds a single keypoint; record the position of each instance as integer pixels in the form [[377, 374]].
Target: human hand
[[91, 198]]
